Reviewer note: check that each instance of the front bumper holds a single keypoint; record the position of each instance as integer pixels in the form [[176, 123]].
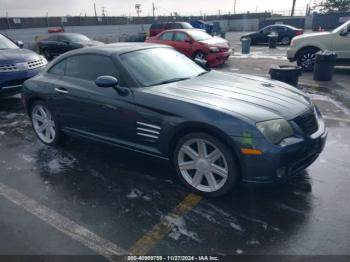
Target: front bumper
[[216, 59], [278, 163], [291, 54], [11, 82]]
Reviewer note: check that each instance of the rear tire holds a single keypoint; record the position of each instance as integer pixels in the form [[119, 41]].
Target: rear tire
[[205, 165], [44, 123], [47, 54], [285, 40], [306, 59]]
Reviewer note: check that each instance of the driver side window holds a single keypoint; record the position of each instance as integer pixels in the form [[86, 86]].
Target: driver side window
[[90, 67]]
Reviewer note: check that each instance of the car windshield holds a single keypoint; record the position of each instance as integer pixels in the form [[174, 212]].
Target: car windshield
[[186, 25], [160, 66], [6, 43], [199, 35], [342, 26], [78, 38]]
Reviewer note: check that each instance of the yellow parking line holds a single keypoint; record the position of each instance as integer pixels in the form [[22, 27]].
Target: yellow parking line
[[159, 231]]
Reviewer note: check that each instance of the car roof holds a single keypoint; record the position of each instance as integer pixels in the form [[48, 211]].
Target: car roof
[[182, 30], [114, 49], [63, 33]]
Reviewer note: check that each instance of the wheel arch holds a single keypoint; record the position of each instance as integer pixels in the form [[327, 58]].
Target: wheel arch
[[305, 48]]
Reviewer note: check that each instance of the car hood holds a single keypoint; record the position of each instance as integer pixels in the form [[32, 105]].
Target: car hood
[[89, 43], [255, 98], [12, 56], [313, 36], [216, 41]]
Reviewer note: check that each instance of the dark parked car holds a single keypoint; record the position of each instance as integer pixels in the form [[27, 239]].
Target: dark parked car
[[217, 128], [16, 66], [58, 44], [196, 44], [285, 34], [157, 28]]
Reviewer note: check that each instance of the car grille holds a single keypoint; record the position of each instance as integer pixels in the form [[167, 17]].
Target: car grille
[[30, 65], [307, 122]]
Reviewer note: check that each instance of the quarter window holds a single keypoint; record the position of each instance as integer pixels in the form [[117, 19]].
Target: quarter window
[[89, 67]]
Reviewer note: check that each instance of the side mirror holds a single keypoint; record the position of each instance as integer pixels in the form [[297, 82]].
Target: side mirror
[[66, 42], [344, 32], [106, 81], [19, 44], [189, 41]]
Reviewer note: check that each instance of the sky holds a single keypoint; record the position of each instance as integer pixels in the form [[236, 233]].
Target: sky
[[32, 8]]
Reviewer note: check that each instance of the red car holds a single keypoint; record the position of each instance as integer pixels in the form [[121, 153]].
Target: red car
[[196, 44]]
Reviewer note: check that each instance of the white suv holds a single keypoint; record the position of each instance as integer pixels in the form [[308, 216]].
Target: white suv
[[304, 47]]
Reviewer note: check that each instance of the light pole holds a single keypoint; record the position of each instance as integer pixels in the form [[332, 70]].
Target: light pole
[[293, 8], [234, 9]]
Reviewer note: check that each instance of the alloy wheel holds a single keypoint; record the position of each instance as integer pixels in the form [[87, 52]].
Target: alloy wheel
[[200, 56], [43, 123], [308, 60], [203, 165]]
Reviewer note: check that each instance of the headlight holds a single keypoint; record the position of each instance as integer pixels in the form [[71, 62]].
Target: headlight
[[43, 59], [214, 49], [275, 130]]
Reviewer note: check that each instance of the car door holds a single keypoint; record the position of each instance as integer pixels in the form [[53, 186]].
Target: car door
[[92, 111], [183, 43], [341, 44], [50, 44], [166, 38], [63, 44], [262, 37]]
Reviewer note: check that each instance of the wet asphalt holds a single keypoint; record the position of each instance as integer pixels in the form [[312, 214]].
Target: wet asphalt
[[120, 196]]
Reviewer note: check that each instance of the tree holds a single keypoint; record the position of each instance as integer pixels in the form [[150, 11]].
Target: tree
[[332, 5]]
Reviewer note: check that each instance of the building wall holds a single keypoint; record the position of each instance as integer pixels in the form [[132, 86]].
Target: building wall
[[329, 21], [106, 34]]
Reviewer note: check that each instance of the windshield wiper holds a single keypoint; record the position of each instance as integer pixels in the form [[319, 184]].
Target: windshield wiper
[[172, 80]]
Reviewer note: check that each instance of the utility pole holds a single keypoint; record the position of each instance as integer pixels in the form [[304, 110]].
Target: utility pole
[[95, 9], [138, 9], [293, 8], [153, 9], [234, 9], [104, 11]]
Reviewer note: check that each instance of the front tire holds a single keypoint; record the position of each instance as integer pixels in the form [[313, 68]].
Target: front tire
[[45, 124], [306, 59], [200, 55], [205, 165]]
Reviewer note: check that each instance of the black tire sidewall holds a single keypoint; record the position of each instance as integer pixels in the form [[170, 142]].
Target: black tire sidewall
[[303, 52], [58, 136], [233, 171], [47, 54], [288, 40]]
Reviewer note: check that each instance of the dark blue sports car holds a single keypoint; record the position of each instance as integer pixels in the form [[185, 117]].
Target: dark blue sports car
[[216, 128], [16, 66], [285, 34]]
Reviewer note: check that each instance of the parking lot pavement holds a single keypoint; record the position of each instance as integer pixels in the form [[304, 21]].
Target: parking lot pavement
[[260, 59], [82, 198]]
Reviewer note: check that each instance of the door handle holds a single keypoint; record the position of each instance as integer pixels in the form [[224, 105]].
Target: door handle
[[61, 90]]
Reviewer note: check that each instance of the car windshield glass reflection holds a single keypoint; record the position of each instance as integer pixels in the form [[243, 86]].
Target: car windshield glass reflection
[[199, 35], [78, 38], [160, 66], [6, 43]]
